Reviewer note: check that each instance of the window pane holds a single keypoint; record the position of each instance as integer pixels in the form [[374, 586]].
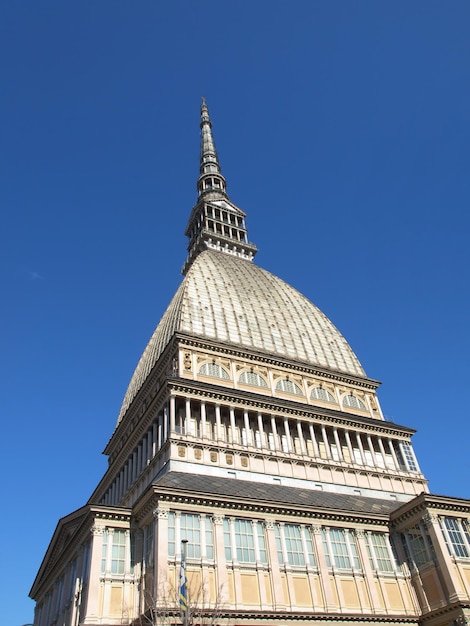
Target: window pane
[[190, 526], [455, 535], [382, 555], [294, 548]]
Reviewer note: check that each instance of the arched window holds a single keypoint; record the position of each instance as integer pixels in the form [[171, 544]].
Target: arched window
[[288, 387], [214, 371], [251, 378], [319, 393], [353, 402]]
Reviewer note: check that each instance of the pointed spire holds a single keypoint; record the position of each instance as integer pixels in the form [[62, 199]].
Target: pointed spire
[[211, 183], [215, 222]]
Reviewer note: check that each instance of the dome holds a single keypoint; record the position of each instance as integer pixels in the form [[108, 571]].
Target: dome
[[230, 299]]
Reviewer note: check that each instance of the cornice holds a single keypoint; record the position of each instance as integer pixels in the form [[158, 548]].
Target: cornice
[[445, 610], [418, 506], [260, 617], [61, 549]]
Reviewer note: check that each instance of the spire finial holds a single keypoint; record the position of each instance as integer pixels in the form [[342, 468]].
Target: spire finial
[[215, 222], [210, 183]]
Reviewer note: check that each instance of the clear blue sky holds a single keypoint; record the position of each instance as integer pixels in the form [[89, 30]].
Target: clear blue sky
[[343, 131]]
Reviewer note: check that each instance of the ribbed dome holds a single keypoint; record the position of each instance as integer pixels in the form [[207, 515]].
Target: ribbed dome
[[230, 299]]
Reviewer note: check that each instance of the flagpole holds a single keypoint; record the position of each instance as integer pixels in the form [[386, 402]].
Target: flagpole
[[184, 585]]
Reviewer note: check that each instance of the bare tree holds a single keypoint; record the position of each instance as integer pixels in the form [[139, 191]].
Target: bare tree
[[163, 608]]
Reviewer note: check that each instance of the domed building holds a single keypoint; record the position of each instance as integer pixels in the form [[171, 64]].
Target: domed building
[[252, 477]]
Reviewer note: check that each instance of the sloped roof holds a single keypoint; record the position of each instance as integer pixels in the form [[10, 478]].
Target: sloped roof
[[230, 299], [274, 494]]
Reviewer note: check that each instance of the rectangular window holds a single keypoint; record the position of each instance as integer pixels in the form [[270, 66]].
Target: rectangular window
[[104, 551], [379, 553], [415, 547], [209, 538], [245, 541], [455, 534], [227, 541], [193, 528], [171, 534], [340, 549], [293, 541], [190, 529], [118, 553], [277, 535], [409, 456], [263, 557]]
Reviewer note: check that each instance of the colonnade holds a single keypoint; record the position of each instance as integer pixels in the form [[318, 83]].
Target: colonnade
[[242, 428], [247, 428]]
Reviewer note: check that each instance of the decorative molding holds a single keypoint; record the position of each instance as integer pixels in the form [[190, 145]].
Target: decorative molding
[[161, 511], [430, 518]]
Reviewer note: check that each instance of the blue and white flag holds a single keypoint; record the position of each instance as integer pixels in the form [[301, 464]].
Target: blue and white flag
[[183, 584]]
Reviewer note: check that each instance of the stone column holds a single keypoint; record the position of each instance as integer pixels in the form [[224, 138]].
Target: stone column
[[316, 449], [165, 423], [288, 437], [329, 602], [370, 578], [187, 417], [393, 453], [338, 444], [349, 444], [278, 593], [221, 564], [261, 430], [134, 466], [247, 428], [382, 451], [155, 437], [218, 427], [96, 552], [203, 420], [172, 415], [233, 427], [127, 572], [274, 431], [371, 450], [325, 441], [160, 547], [361, 448], [303, 447]]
